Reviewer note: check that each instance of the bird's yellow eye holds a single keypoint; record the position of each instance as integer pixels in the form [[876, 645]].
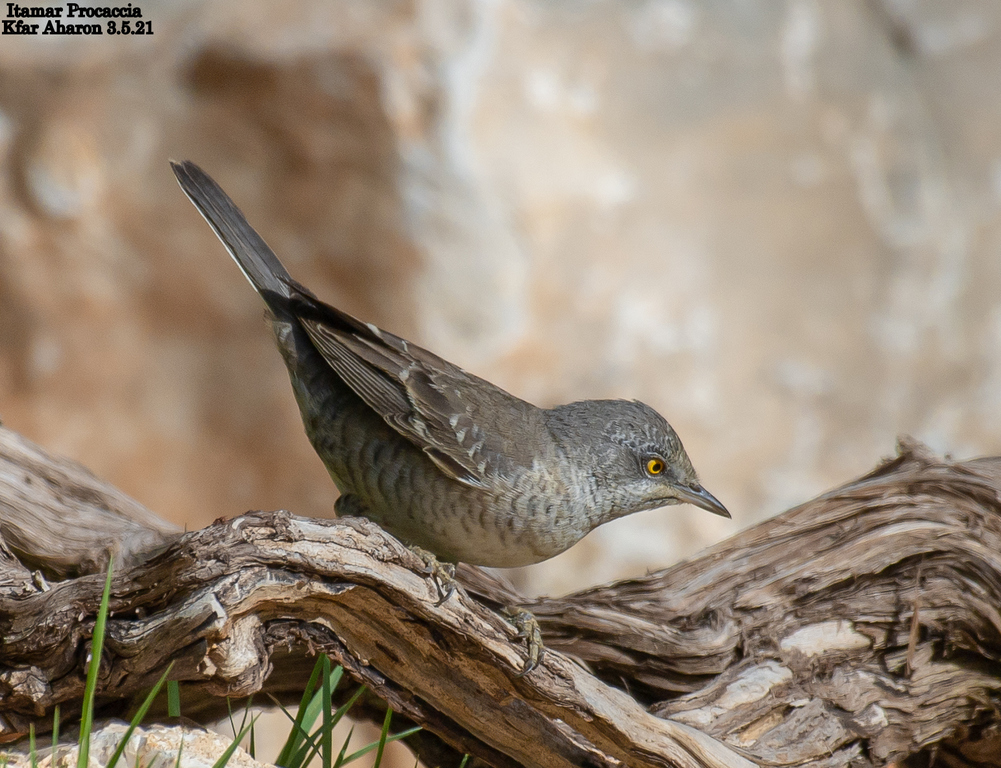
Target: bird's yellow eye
[[655, 466]]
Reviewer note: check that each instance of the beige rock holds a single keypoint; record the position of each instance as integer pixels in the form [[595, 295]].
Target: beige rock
[[151, 746]]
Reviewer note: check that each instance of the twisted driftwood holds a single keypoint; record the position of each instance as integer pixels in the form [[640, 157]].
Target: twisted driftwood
[[855, 630]]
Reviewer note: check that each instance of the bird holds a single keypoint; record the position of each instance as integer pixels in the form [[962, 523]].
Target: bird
[[447, 462]]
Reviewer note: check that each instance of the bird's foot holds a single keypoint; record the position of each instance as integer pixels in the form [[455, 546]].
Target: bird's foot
[[528, 630], [442, 574]]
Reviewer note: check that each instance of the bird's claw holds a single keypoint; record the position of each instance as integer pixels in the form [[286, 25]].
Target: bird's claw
[[528, 630], [442, 574]]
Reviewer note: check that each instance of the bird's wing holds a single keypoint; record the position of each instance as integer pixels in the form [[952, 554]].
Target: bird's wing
[[463, 423]]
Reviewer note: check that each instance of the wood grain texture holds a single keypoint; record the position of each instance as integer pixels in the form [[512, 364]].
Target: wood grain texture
[[855, 630], [58, 517]]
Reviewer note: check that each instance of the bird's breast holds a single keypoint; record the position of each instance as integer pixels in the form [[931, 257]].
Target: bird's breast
[[516, 521]]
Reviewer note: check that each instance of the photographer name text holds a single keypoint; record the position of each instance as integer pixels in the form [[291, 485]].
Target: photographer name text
[[75, 19]]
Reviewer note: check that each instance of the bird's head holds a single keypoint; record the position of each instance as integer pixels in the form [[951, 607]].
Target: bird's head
[[635, 457]]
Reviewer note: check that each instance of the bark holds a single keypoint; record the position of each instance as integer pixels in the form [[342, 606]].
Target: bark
[[57, 517], [858, 629]]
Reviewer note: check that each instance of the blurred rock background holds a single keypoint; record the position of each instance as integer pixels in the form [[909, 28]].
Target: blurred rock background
[[777, 222]]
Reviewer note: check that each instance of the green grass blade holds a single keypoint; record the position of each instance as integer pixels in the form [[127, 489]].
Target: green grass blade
[[297, 734], [55, 735], [314, 708], [383, 736], [225, 756], [138, 717], [173, 699], [310, 747], [326, 704], [299, 731], [246, 712], [344, 748], [320, 705], [253, 741], [90, 689], [304, 753], [375, 744], [343, 710], [285, 712], [180, 751], [465, 759], [32, 752], [229, 713]]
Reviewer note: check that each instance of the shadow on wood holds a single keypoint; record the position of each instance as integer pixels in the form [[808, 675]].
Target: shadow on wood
[[861, 628]]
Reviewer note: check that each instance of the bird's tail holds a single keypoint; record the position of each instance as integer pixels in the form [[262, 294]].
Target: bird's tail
[[255, 258]]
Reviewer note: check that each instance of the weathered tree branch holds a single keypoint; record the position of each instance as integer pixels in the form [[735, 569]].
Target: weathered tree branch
[[56, 516], [856, 629]]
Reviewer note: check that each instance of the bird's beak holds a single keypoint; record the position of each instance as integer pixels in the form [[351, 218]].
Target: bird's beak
[[700, 497]]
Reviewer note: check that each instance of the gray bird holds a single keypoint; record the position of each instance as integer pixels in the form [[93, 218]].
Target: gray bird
[[442, 459]]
